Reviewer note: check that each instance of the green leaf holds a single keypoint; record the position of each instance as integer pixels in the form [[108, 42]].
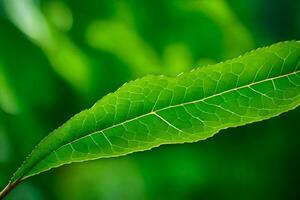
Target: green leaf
[[157, 110]]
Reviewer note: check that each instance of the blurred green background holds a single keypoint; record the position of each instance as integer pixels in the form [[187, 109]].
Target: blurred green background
[[58, 57]]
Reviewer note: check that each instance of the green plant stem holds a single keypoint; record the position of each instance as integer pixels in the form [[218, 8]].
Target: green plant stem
[[8, 188]]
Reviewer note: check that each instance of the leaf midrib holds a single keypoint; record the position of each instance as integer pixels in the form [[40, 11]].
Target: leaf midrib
[[155, 112]]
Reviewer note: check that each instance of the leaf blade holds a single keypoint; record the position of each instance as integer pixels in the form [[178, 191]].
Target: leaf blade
[[158, 110]]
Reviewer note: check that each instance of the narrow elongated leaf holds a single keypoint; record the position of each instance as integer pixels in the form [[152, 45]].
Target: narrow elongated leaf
[[193, 106]]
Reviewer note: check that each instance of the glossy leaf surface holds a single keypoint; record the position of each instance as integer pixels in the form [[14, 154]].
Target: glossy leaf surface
[[193, 106]]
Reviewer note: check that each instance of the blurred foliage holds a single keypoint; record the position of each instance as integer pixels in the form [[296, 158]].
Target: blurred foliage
[[57, 57]]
